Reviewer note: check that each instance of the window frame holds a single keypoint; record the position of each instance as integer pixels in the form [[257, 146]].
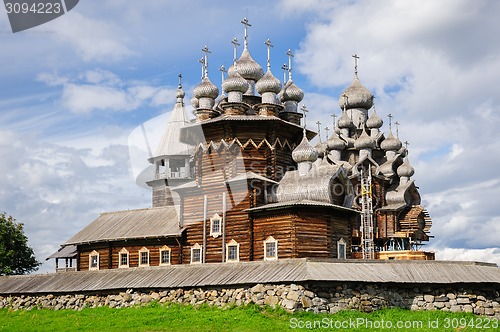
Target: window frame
[[233, 243], [218, 218], [93, 254], [271, 240], [340, 243], [144, 250], [165, 249], [123, 251], [193, 248]]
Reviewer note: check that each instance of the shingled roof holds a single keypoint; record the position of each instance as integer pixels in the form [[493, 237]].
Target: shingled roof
[[130, 224], [248, 273]]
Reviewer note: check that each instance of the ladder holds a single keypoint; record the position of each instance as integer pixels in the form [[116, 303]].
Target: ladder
[[367, 214]]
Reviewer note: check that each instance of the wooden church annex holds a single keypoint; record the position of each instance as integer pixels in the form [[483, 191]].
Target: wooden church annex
[[243, 183]]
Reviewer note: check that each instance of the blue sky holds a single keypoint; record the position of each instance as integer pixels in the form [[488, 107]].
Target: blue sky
[[73, 90]]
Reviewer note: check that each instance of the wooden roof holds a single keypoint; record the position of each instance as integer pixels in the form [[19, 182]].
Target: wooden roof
[[130, 224], [65, 252], [247, 273]]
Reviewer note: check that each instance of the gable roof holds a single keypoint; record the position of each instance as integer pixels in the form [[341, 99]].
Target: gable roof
[[130, 224]]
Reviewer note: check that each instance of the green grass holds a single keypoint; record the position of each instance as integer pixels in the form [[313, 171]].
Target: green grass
[[155, 317]]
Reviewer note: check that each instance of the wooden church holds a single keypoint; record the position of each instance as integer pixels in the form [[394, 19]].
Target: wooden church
[[242, 182]]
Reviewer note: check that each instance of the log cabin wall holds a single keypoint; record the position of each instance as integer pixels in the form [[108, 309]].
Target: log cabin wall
[[133, 247], [319, 231], [279, 225]]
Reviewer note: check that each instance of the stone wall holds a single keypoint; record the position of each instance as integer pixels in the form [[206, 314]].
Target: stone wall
[[318, 298]]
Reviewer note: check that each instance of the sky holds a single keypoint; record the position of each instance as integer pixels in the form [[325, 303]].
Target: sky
[[75, 91]]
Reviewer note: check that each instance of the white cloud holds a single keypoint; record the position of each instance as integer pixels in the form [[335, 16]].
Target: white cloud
[[101, 90], [93, 39], [428, 65], [56, 190]]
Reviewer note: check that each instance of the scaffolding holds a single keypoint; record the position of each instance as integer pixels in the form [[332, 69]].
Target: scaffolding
[[367, 214]]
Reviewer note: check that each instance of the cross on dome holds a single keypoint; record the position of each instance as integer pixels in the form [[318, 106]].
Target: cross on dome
[[269, 45], [285, 70], [356, 57], [206, 51], [180, 81], [202, 61], [397, 128], [236, 44], [304, 111], [290, 56], [246, 24]]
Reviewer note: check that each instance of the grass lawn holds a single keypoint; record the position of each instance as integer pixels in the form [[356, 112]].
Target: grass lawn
[[156, 317]]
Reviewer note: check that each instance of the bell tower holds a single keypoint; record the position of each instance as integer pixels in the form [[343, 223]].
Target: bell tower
[[172, 158]]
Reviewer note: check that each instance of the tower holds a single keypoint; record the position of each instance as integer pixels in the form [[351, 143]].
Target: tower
[[172, 157]]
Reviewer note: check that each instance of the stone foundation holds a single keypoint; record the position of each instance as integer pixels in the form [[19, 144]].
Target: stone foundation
[[318, 298]]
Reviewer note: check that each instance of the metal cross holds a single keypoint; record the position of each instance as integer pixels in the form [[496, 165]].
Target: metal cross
[[406, 145], [206, 51], [334, 118], [246, 24], [319, 130], [290, 56], [285, 70], [356, 57], [236, 44], [327, 130], [390, 120], [202, 61], [269, 45], [180, 81], [346, 100], [304, 111], [223, 70], [397, 128]]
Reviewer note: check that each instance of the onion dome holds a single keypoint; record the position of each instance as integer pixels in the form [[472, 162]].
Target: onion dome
[[247, 67], [374, 121], [195, 102], [206, 89], [405, 169], [356, 96], [268, 83], [364, 141], [179, 94], [391, 143], [304, 152], [291, 92], [321, 148], [336, 143], [234, 82], [345, 121]]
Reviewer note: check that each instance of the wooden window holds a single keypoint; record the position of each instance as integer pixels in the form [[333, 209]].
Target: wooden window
[[341, 249], [123, 258], [270, 249], [165, 255], [94, 260], [232, 251], [196, 251], [215, 225], [144, 257]]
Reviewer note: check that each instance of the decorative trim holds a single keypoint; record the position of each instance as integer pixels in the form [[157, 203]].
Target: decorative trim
[[162, 250], [96, 255], [196, 249], [125, 263], [144, 251], [216, 225], [267, 243], [233, 243]]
